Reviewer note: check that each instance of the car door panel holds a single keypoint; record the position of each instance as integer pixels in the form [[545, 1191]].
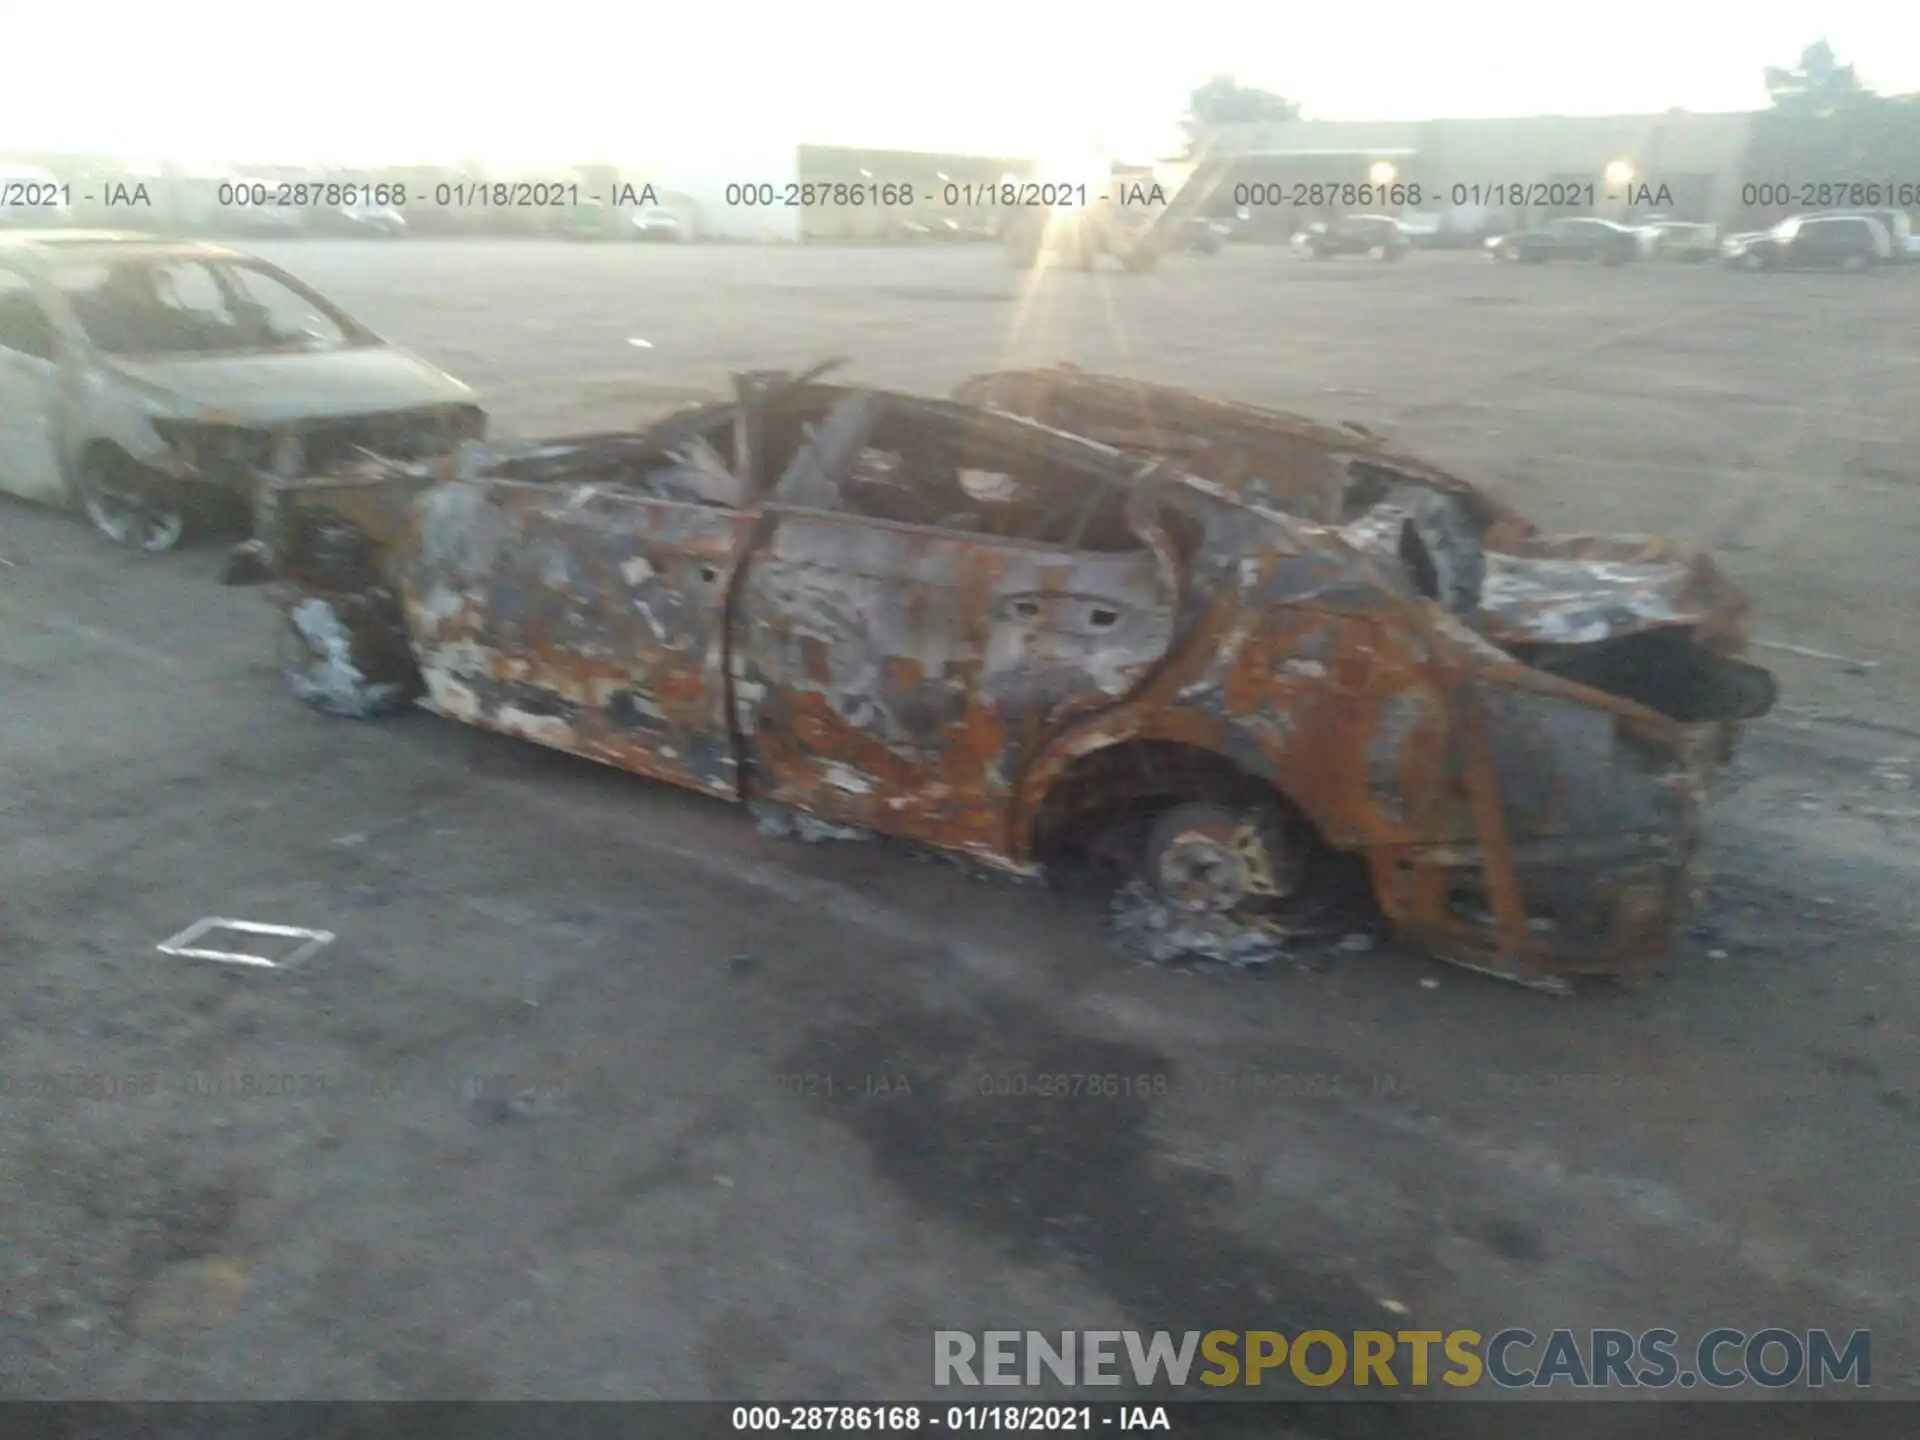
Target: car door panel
[[30, 395], [900, 677], [588, 619], [29, 428]]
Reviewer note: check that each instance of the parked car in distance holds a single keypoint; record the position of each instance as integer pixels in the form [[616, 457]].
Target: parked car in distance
[[588, 220], [1813, 242], [1678, 240], [141, 378], [32, 197], [1570, 237], [1423, 229], [657, 226], [366, 218], [262, 220], [1898, 225], [1206, 236], [1378, 237]]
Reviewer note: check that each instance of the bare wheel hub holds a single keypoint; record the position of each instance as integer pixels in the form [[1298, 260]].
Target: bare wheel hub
[[1202, 856]]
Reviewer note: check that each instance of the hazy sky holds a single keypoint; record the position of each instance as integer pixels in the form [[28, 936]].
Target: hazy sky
[[579, 81]]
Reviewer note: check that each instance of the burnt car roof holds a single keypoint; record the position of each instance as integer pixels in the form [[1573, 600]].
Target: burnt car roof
[[1137, 415], [1520, 587]]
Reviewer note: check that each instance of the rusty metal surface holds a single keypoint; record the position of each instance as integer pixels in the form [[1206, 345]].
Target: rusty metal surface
[[1531, 588], [1535, 588], [1581, 589], [586, 620], [970, 629], [1269, 457]]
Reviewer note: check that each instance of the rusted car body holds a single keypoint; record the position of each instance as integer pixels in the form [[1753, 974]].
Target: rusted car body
[[962, 627], [1645, 629]]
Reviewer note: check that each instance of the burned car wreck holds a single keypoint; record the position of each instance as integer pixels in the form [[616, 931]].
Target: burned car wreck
[[1255, 641]]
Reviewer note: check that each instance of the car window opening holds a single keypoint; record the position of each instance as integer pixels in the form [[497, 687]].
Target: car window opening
[[148, 308], [697, 460], [930, 471]]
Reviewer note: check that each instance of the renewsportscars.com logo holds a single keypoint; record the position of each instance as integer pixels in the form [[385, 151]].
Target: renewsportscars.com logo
[[1722, 1359]]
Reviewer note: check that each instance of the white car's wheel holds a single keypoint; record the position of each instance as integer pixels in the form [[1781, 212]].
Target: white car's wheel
[[132, 505]]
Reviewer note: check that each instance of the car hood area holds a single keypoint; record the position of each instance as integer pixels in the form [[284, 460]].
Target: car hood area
[[1587, 589], [278, 389]]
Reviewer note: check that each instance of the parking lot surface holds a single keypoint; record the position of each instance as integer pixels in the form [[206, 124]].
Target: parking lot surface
[[601, 1093]]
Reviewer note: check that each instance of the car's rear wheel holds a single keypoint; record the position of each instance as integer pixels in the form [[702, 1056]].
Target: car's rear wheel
[[131, 504], [1854, 263], [1206, 856]]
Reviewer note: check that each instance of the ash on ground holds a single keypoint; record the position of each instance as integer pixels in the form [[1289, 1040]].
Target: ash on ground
[[776, 822], [1145, 926], [1334, 919]]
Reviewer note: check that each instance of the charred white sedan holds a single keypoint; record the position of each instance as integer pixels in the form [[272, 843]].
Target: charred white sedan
[[141, 379]]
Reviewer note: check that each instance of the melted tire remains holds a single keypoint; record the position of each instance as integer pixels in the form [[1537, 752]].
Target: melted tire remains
[[320, 663]]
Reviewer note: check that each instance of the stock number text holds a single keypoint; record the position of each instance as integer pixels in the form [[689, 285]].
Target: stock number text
[[1822, 194], [1313, 194]]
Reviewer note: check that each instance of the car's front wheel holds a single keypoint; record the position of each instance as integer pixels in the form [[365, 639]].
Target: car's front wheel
[[1204, 856], [131, 504]]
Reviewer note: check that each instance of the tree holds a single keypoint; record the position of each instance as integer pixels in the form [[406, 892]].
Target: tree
[[1223, 100], [1818, 85], [1825, 126]]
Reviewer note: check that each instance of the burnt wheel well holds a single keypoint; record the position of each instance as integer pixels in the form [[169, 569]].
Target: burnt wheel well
[[1094, 827], [1129, 784], [323, 550], [109, 456], [106, 459]]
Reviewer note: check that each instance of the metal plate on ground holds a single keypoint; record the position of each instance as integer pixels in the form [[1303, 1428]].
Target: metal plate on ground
[[197, 942]]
